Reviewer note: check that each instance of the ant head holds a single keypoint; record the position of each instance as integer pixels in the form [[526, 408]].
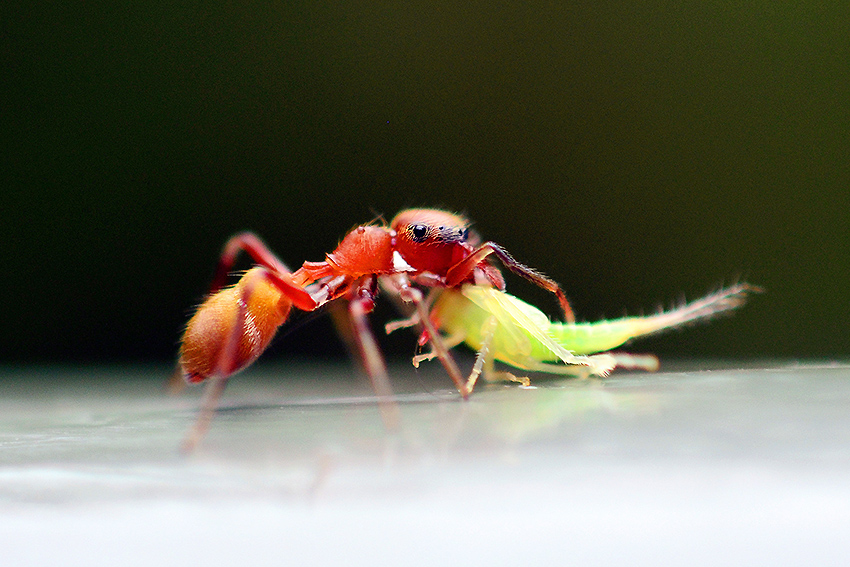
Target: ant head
[[430, 227], [429, 239]]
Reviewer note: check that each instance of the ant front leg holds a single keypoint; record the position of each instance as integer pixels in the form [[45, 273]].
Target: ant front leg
[[410, 294], [461, 271]]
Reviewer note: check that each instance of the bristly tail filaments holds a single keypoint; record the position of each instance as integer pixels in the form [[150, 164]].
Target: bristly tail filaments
[[586, 338], [708, 307]]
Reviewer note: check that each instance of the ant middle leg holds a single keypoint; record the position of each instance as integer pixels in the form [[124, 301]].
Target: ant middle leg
[[360, 304]]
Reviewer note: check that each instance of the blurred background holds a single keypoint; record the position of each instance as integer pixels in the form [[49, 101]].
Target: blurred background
[[638, 153]]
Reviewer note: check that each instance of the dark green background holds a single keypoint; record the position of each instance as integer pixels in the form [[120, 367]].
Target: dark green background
[[633, 151]]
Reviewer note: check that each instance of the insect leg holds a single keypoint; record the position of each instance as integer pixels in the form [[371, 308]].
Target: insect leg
[[450, 342], [648, 362], [393, 326], [484, 363], [594, 365], [483, 360]]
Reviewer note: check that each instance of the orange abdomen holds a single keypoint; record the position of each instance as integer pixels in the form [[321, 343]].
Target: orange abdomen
[[210, 329]]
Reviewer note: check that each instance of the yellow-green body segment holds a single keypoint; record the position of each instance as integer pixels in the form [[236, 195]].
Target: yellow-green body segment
[[522, 336]]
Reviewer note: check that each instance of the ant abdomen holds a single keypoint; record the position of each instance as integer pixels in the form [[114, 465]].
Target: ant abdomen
[[209, 332]]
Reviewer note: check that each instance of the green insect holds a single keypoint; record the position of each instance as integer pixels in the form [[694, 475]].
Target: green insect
[[501, 327]]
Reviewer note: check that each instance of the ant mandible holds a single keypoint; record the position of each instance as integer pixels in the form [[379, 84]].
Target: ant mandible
[[420, 247]]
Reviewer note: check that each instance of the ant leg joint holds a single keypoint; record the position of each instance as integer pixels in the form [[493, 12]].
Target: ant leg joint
[[410, 294]]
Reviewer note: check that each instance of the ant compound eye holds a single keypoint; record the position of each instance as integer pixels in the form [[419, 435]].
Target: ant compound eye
[[419, 232]]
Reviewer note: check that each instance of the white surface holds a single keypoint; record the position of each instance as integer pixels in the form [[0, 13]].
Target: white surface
[[744, 467]]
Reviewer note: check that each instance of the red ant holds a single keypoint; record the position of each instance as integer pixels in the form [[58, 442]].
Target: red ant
[[420, 247]]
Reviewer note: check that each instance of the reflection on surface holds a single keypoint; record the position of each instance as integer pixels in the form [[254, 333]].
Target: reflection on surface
[[682, 466], [75, 435]]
